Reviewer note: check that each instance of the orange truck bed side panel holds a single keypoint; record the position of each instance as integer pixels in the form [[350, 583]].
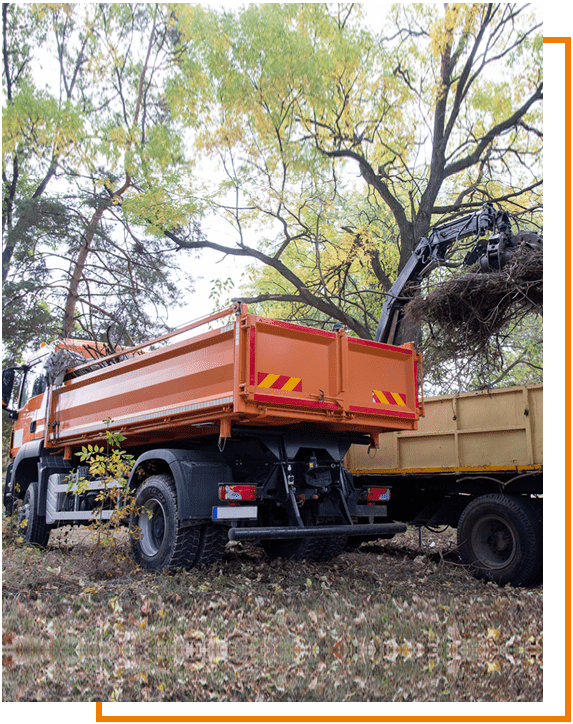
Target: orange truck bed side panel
[[255, 371]]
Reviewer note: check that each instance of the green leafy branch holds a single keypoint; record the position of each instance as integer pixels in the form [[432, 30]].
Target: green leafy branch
[[110, 466]]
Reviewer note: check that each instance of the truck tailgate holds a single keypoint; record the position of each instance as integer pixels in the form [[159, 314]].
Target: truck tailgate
[[345, 382]]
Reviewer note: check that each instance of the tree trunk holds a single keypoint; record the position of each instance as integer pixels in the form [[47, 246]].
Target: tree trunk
[[78, 271]]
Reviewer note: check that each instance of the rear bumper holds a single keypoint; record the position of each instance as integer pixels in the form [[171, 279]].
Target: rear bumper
[[319, 531]]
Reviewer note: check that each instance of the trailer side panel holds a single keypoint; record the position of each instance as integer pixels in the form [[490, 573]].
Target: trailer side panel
[[495, 430]]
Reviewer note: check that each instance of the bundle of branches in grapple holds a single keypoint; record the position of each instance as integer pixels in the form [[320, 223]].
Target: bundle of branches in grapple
[[60, 364], [472, 308]]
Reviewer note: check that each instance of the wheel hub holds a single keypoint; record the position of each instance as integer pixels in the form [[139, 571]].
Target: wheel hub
[[24, 514], [152, 526], [494, 542]]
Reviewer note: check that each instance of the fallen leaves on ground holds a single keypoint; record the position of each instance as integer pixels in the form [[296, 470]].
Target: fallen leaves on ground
[[384, 623]]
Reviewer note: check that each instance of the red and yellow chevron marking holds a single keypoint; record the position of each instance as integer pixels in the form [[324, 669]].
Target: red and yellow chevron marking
[[280, 382], [389, 398]]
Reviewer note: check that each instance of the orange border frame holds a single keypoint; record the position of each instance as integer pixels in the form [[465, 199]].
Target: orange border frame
[[567, 672]]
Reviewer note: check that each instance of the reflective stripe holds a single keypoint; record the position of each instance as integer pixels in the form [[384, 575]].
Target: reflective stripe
[[279, 382], [389, 398], [291, 384], [268, 381]]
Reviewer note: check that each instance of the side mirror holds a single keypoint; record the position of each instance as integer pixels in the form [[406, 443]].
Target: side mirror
[[8, 376], [7, 385]]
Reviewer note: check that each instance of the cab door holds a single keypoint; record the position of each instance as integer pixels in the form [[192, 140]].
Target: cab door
[[31, 405]]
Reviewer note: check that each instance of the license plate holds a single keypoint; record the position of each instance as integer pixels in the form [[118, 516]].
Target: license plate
[[232, 512], [365, 511]]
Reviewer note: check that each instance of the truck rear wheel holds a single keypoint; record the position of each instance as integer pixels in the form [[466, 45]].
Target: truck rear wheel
[[33, 526], [289, 549], [501, 538], [211, 546], [158, 539], [319, 550], [323, 550]]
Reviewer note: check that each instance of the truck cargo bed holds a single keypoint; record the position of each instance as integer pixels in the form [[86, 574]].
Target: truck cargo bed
[[254, 371]]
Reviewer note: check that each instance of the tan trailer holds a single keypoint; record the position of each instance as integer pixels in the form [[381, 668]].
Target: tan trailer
[[474, 463], [494, 431]]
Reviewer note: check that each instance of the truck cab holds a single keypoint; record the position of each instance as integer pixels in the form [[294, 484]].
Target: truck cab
[[25, 390]]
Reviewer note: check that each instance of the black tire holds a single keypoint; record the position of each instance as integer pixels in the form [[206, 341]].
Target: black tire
[[211, 546], [289, 550], [159, 541], [33, 526], [354, 542], [319, 550], [500, 537], [323, 550], [538, 580], [294, 549]]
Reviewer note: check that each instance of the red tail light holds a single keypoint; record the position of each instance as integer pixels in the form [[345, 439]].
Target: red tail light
[[378, 494], [235, 493]]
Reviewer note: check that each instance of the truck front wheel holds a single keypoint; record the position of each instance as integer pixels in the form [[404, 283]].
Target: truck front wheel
[[158, 539], [500, 537], [33, 526]]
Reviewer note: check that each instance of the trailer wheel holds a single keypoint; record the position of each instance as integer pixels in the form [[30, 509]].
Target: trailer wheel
[[33, 526], [158, 540], [501, 538]]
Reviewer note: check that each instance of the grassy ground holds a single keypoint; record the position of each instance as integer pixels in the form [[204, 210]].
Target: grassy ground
[[384, 623]]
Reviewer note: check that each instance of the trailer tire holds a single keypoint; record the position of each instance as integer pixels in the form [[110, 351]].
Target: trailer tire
[[34, 527], [500, 537], [159, 541]]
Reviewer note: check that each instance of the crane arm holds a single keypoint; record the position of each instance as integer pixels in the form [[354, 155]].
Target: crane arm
[[431, 251]]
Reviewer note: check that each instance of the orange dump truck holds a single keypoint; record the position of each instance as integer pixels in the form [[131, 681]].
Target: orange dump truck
[[238, 433], [475, 462]]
